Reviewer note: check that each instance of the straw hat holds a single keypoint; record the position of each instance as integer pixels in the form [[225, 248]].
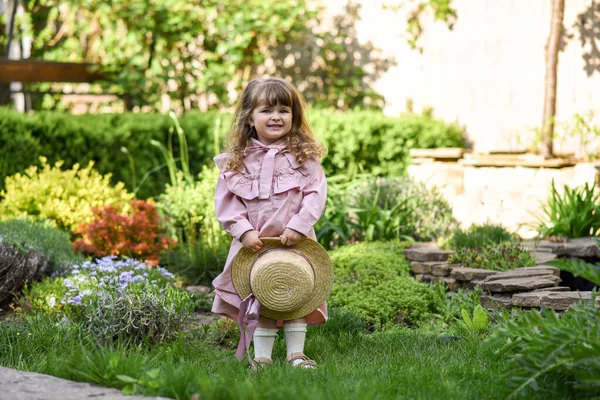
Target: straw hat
[[288, 282]]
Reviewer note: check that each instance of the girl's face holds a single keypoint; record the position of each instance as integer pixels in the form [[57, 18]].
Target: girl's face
[[271, 123]]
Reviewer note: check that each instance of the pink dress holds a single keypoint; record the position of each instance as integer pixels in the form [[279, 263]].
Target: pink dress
[[273, 192]]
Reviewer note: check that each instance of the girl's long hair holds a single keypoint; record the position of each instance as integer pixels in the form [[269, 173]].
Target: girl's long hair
[[270, 92]]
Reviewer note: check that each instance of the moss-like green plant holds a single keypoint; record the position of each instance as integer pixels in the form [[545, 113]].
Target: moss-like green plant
[[372, 281]]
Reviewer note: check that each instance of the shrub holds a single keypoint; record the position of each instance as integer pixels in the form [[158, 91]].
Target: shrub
[[371, 280], [137, 235], [68, 296], [359, 140], [29, 251], [574, 214], [198, 265], [142, 313], [383, 209], [65, 198], [478, 236], [500, 257]]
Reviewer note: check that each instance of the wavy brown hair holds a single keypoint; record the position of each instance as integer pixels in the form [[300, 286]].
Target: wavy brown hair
[[301, 141]]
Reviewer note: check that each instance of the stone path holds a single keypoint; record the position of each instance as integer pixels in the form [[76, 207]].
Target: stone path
[[21, 385]]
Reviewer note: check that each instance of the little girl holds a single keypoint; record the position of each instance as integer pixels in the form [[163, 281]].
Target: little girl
[[271, 185]]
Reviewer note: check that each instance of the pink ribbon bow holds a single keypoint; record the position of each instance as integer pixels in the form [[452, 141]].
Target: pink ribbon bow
[[249, 311]]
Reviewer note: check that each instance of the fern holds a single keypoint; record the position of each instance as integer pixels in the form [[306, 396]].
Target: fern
[[578, 268]]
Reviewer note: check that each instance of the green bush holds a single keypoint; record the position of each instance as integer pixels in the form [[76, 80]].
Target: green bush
[[575, 213], [142, 313], [478, 236], [63, 197], [500, 257], [53, 243], [119, 144], [373, 208], [372, 281]]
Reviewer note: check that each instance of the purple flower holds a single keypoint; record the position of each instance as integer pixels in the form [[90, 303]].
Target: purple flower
[[75, 300]]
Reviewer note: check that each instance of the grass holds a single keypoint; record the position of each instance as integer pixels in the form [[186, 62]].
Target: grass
[[395, 364]]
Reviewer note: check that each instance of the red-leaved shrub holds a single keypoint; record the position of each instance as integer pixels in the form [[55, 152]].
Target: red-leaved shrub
[[137, 235]]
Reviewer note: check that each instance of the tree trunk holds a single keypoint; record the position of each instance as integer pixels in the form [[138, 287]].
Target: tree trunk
[[552, 48]]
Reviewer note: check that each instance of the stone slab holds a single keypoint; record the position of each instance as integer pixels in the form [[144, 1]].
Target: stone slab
[[419, 267], [423, 277], [468, 274], [453, 284], [22, 385], [522, 284], [542, 257], [563, 301], [440, 269], [554, 289], [424, 254], [550, 272], [529, 299], [579, 247], [496, 301], [438, 153]]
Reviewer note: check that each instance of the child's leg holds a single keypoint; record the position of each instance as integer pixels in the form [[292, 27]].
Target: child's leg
[[295, 335], [264, 338]]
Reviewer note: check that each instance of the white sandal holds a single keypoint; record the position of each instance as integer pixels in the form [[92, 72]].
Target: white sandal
[[304, 363]]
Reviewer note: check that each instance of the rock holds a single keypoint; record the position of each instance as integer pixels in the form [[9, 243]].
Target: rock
[[452, 283], [554, 289], [468, 274], [423, 277], [419, 267], [542, 257], [549, 271], [579, 247], [425, 254], [564, 300], [440, 269], [199, 288], [529, 299], [522, 284], [496, 301]]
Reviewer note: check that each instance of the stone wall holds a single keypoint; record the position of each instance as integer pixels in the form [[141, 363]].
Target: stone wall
[[502, 189], [527, 287]]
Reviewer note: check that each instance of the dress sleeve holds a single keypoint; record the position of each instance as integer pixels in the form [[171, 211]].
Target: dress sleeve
[[232, 213], [313, 202]]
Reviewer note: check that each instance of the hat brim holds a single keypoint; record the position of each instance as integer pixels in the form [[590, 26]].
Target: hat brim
[[316, 254]]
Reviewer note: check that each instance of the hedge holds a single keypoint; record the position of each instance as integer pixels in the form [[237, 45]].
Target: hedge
[[358, 141]]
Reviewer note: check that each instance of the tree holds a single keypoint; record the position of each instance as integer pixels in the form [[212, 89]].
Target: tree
[[552, 51]]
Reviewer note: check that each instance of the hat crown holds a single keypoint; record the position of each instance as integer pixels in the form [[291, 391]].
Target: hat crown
[[281, 283]]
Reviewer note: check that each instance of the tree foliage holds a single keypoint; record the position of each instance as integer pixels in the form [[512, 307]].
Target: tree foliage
[[196, 53]]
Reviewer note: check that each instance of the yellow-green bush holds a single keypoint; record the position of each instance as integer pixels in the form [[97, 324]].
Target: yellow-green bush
[[64, 197]]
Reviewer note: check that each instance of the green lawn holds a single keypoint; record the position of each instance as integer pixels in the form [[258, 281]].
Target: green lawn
[[395, 364]]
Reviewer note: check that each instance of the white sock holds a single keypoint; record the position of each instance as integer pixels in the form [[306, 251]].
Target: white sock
[[264, 338], [295, 334]]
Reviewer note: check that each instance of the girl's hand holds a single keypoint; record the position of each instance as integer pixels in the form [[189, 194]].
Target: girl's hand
[[251, 241], [290, 237]]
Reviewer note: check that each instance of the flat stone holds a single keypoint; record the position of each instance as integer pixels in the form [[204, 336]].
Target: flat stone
[[419, 267], [198, 288], [564, 300], [548, 271], [440, 269], [22, 385], [443, 153], [522, 284], [578, 247], [542, 257], [468, 274], [453, 284], [496, 301], [426, 254], [529, 299], [554, 289], [423, 277]]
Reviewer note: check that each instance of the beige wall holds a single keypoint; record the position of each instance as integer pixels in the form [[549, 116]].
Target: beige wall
[[487, 73]]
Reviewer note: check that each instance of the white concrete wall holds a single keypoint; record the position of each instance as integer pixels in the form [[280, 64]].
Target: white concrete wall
[[487, 73]]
